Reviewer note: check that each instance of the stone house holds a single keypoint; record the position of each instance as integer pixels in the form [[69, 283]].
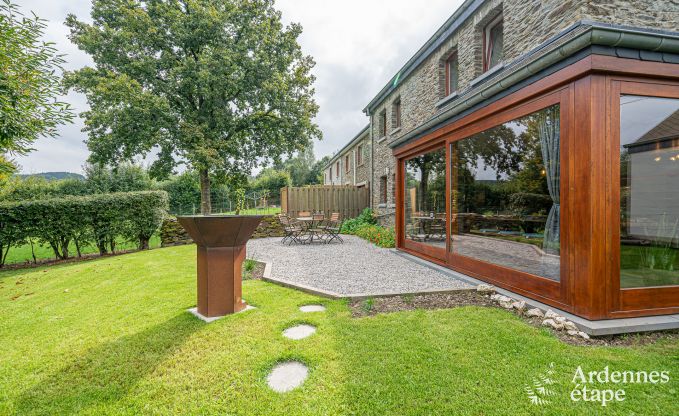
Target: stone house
[[351, 165], [510, 148]]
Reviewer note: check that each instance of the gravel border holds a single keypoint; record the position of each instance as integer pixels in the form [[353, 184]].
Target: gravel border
[[356, 268]]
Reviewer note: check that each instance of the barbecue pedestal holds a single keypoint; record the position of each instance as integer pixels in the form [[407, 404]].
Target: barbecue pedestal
[[220, 241]]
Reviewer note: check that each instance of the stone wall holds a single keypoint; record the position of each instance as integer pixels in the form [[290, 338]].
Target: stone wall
[[172, 233], [526, 24]]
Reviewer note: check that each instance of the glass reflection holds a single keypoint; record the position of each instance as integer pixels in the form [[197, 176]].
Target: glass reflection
[[425, 198], [649, 191], [505, 202]]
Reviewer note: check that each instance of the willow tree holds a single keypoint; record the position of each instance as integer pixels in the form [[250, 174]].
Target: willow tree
[[219, 85]]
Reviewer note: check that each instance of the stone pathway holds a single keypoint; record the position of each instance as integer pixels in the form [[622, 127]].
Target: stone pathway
[[289, 375], [299, 332], [312, 308]]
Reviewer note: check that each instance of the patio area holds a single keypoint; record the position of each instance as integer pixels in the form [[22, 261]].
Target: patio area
[[353, 269]]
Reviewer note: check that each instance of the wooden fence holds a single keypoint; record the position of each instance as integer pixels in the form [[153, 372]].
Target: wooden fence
[[348, 200]]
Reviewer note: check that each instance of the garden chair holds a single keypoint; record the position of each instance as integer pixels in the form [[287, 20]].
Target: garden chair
[[333, 228], [293, 229], [316, 227]]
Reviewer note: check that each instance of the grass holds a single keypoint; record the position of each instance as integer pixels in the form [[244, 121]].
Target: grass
[[22, 254], [634, 274], [112, 336]]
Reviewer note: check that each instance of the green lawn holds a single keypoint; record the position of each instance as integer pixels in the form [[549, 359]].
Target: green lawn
[[22, 254], [111, 336]]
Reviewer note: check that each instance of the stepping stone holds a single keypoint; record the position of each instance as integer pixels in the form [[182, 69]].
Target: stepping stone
[[287, 376], [299, 331], [312, 308]]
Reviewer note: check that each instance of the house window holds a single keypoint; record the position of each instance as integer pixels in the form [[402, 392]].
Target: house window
[[492, 44], [452, 74], [397, 113], [337, 168], [359, 155], [383, 189], [393, 187], [383, 124], [347, 163]]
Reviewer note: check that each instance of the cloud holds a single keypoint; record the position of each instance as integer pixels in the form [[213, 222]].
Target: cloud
[[358, 46]]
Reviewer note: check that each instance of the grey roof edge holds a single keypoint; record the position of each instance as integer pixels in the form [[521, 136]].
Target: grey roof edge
[[449, 27], [356, 138], [595, 34]]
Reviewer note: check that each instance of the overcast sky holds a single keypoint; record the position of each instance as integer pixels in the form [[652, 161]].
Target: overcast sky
[[358, 46]]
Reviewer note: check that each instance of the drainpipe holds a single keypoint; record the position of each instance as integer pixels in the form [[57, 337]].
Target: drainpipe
[[372, 156], [353, 164]]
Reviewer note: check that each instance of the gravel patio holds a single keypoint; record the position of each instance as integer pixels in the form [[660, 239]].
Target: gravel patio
[[356, 268]]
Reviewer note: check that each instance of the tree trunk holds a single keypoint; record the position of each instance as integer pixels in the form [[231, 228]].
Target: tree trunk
[[143, 243], [205, 203]]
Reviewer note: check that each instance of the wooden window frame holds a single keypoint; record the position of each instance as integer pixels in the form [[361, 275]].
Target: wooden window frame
[[384, 182], [488, 43], [450, 60], [347, 163], [589, 152], [626, 302], [383, 124], [397, 113], [359, 155], [339, 171]]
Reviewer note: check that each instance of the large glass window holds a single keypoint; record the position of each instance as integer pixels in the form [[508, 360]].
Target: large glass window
[[425, 198], [649, 191], [505, 185]]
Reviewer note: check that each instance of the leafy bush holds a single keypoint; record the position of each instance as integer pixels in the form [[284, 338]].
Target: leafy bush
[[527, 204], [57, 222], [365, 218], [380, 236]]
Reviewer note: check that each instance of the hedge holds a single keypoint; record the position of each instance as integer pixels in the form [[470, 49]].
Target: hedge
[[98, 219]]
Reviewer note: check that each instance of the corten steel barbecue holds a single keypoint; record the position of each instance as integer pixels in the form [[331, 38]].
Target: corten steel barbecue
[[221, 250]]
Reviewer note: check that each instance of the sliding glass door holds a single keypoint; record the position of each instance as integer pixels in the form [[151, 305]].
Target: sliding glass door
[[424, 202]]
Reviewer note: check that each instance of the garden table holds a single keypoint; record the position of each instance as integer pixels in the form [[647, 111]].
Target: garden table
[[310, 226]]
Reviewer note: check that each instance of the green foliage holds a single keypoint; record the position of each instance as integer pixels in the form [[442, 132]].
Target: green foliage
[[126, 177], [240, 200], [219, 85], [368, 304], [271, 180], [29, 83], [380, 236], [524, 203], [102, 219], [365, 218]]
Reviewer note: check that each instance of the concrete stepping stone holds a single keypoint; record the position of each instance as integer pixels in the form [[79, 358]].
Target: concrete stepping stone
[[287, 376], [299, 331], [312, 308]]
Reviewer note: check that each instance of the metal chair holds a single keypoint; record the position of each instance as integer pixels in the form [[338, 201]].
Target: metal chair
[[293, 229], [333, 228]]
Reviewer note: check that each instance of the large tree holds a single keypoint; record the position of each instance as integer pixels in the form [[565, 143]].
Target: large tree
[[29, 84], [220, 85]]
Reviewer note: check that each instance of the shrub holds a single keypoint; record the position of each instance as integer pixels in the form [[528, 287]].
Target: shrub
[[365, 218], [527, 204], [380, 236], [56, 222]]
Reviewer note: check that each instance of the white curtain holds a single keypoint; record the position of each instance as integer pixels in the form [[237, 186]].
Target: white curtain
[[548, 127]]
